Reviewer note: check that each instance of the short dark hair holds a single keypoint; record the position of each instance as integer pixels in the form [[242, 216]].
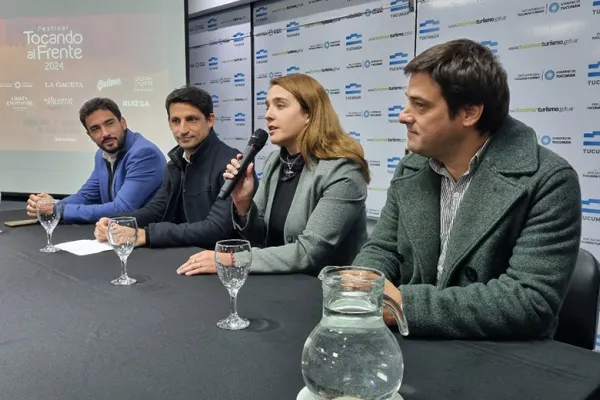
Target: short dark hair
[[192, 95], [469, 74], [95, 104]]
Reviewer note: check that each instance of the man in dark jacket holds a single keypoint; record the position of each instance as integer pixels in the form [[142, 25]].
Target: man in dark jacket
[[186, 211]]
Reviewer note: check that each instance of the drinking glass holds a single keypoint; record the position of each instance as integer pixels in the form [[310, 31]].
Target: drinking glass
[[48, 213], [233, 259], [122, 236]]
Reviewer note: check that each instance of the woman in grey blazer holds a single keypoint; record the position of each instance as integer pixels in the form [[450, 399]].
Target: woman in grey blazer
[[309, 210]]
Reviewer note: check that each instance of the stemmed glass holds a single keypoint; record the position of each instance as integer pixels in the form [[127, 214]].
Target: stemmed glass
[[48, 213], [233, 259], [122, 236]]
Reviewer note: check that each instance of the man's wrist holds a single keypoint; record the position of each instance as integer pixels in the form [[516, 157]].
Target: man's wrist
[[142, 237]]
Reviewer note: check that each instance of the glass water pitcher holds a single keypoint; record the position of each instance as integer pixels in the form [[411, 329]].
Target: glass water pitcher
[[351, 353]]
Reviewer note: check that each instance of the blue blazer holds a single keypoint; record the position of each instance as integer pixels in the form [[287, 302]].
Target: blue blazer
[[138, 175]]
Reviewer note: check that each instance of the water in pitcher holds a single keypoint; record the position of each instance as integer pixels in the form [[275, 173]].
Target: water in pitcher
[[352, 353]]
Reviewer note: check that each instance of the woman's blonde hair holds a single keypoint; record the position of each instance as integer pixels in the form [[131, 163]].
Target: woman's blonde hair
[[323, 136]]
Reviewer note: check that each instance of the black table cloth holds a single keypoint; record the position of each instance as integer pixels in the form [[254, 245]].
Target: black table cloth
[[67, 333]]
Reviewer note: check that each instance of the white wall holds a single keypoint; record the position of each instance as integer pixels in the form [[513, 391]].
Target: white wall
[[199, 7]]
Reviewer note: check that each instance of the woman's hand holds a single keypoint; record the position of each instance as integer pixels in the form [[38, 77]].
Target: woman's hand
[[244, 190]]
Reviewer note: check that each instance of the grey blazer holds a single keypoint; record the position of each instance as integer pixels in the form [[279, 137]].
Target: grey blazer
[[326, 224], [512, 249]]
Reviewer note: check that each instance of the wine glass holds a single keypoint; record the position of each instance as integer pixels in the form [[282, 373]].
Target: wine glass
[[122, 236], [48, 213], [233, 259]]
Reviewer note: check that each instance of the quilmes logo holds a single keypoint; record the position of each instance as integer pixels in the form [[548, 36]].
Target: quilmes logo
[[259, 175], [215, 100], [261, 56], [239, 119], [591, 142], [399, 8], [239, 79], [492, 45], [294, 69], [260, 14], [213, 63], [353, 91], [353, 42], [107, 83], [211, 24], [394, 113], [398, 61], [292, 29], [596, 5], [261, 97], [594, 74], [392, 163], [355, 135], [429, 29]]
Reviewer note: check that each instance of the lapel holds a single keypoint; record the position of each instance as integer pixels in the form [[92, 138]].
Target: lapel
[[511, 153], [419, 211], [302, 196], [271, 178]]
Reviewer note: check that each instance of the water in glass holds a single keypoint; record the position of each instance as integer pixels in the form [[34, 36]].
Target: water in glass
[[233, 259], [48, 213], [122, 236], [351, 353]]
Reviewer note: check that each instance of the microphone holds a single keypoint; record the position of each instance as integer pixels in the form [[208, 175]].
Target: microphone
[[255, 144]]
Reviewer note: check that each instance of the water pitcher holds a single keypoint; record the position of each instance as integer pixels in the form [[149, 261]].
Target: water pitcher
[[351, 353]]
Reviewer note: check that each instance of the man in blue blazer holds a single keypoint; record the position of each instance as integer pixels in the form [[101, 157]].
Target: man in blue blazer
[[128, 168]]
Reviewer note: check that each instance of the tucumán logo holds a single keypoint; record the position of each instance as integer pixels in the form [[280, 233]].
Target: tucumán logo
[[546, 109], [594, 174], [547, 75], [555, 140], [594, 74], [429, 29], [591, 142], [594, 107], [590, 208], [107, 83]]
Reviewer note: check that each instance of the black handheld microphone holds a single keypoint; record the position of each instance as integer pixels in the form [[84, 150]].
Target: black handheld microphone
[[255, 144]]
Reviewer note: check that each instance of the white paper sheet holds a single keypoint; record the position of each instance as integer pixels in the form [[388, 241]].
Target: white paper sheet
[[84, 247]]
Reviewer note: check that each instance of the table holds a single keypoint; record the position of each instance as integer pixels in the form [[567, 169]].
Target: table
[[66, 333]]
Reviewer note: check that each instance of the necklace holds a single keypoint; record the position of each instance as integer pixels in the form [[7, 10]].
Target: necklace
[[291, 166]]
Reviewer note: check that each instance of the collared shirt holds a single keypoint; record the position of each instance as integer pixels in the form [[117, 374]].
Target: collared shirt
[[112, 159], [452, 193]]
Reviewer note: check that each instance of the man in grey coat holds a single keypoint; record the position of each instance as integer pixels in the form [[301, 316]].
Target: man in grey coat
[[480, 231]]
